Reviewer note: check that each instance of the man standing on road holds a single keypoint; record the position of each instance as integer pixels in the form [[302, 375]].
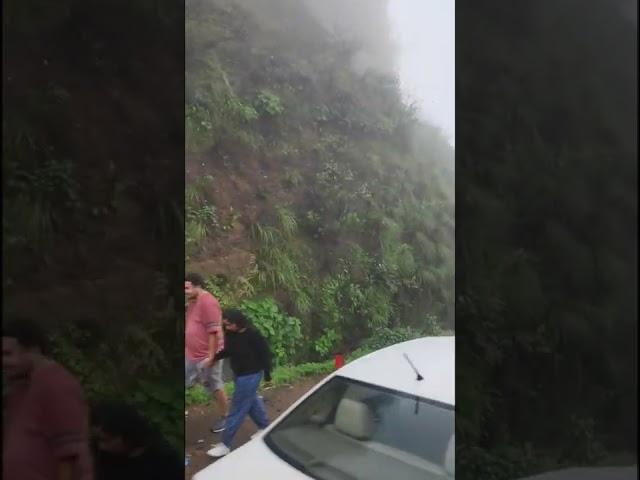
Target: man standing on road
[[203, 339], [250, 361], [46, 417]]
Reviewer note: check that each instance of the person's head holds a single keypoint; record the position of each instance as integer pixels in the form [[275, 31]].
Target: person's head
[[193, 285], [119, 429], [23, 342], [234, 320]]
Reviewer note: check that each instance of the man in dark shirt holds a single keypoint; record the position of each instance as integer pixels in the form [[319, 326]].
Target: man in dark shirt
[[128, 447], [250, 359]]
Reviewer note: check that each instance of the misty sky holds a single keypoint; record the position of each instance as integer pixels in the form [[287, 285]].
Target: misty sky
[[424, 32]]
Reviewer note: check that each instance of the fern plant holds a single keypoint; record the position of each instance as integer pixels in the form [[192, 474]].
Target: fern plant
[[201, 217], [287, 221]]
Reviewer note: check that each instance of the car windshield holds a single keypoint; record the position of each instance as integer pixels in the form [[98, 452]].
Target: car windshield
[[349, 430]]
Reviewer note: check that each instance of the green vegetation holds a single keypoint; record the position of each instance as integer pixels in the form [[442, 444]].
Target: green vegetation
[[231, 294], [267, 103], [95, 357], [201, 217], [198, 395], [218, 115], [281, 376], [547, 303], [72, 202], [286, 375], [354, 250], [351, 217], [358, 237], [42, 187], [281, 331]]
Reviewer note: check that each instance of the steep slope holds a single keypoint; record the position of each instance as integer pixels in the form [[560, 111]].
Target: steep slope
[[308, 179]]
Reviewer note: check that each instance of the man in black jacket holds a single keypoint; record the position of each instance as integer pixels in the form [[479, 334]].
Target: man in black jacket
[[250, 359]]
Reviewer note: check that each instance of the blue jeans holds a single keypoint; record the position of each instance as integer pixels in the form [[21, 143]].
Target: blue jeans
[[245, 402]]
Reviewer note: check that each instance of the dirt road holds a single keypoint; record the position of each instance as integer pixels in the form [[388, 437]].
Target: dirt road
[[198, 422]]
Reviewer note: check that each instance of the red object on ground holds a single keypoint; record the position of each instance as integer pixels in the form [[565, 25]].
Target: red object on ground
[[339, 361]]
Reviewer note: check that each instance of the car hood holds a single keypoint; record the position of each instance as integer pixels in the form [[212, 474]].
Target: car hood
[[252, 460]]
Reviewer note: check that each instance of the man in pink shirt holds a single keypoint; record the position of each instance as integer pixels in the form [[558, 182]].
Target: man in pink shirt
[[46, 417], [203, 339]]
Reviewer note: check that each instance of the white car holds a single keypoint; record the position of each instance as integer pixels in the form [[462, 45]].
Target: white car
[[386, 416]]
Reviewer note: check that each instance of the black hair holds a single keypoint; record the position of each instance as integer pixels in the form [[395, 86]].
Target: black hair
[[123, 420], [195, 279], [27, 332], [236, 317]]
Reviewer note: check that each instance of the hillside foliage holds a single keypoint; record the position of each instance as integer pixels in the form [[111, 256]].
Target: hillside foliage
[[84, 132], [546, 252], [358, 236]]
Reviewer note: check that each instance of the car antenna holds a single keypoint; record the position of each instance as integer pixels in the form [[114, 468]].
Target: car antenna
[[418, 376]]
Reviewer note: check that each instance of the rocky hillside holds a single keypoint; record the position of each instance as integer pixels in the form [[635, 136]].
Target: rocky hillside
[[308, 179]]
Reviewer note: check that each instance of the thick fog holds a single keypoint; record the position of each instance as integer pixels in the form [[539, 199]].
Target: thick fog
[[413, 39], [424, 34]]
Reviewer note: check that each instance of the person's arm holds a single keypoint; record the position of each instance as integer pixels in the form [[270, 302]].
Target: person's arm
[[212, 319], [264, 353], [65, 422], [224, 353], [213, 345]]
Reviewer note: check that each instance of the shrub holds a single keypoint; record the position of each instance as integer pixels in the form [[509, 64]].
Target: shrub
[[197, 395], [312, 223], [99, 360], [161, 404], [217, 115], [327, 342], [281, 261], [281, 331], [386, 337], [229, 293], [432, 326], [267, 103], [292, 179], [201, 217], [286, 375]]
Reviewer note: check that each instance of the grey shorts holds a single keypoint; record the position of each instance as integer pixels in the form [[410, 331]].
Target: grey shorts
[[209, 377]]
